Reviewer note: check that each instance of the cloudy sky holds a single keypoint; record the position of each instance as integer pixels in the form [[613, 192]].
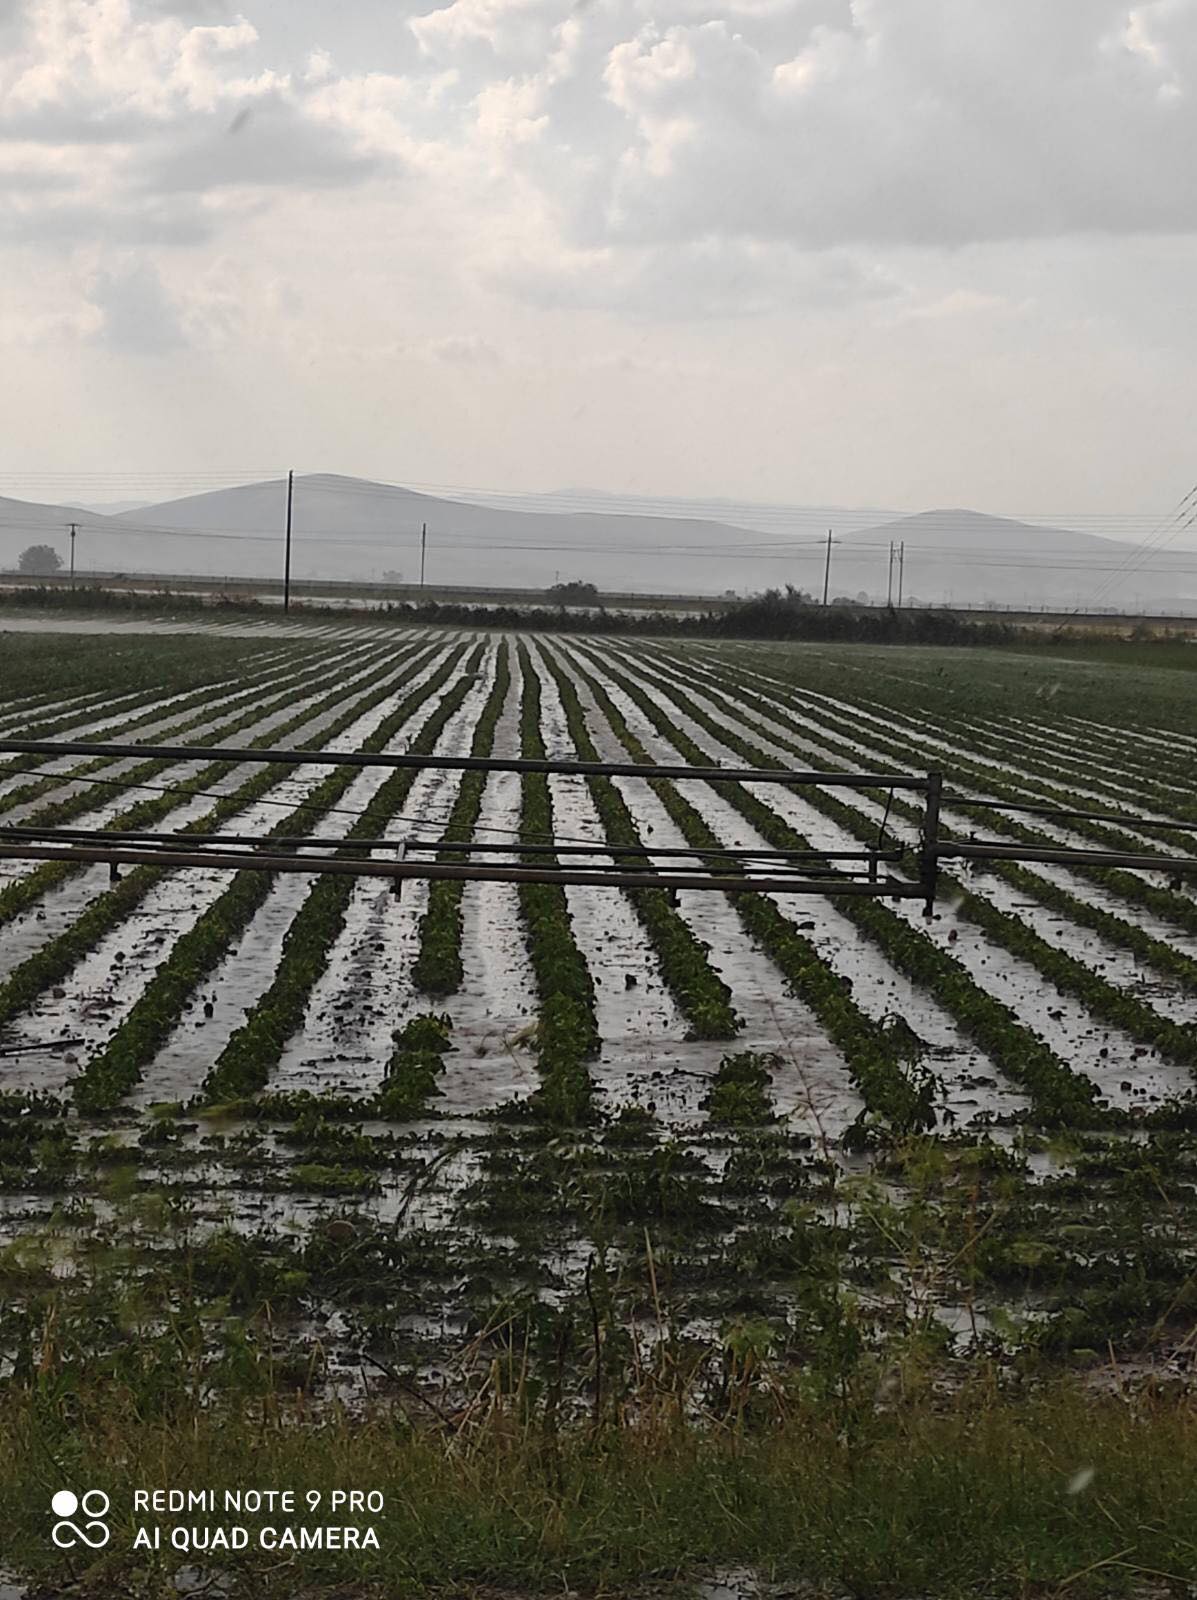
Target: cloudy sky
[[904, 253]]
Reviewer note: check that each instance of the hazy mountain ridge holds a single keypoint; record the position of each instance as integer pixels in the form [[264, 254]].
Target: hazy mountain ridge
[[354, 529]]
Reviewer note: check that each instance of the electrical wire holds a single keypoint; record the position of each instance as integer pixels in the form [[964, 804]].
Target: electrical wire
[[614, 503], [850, 551], [1154, 542]]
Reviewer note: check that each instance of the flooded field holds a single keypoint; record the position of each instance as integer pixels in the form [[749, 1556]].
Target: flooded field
[[408, 1123]]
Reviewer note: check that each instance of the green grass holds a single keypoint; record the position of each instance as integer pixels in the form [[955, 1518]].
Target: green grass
[[987, 1493]]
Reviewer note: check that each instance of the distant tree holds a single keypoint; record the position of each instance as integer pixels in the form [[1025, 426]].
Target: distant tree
[[574, 593], [40, 560]]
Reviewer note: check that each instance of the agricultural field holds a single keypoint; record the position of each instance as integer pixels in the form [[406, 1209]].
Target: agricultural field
[[322, 1144]]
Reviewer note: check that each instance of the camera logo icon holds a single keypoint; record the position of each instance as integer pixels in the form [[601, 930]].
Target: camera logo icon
[[94, 1533]]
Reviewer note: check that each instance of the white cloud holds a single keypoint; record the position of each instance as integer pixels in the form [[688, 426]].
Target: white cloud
[[464, 349], [710, 278], [510, 112], [503, 26], [266, 142], [808, 124], [799, 186], [143, 106], [136, 314], [961, 303], [930, 124]]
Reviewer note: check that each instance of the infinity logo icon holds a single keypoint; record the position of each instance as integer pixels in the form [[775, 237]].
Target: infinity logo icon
[[94, 1505]]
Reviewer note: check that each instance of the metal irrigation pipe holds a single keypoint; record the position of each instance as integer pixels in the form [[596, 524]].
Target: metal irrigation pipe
[[160, 850], [722, 852], [427, 846], [746, 855], [401, 870], [1099, 858], [1067, 811], [361, 758]]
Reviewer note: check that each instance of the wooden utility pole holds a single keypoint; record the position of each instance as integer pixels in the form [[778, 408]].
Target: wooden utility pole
[[73, 526], [901, 570], [423, 550], [889, 590], [827, 569], [287, 558]]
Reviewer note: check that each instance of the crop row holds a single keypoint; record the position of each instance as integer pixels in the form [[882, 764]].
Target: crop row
[[1156, 951], [1141, 1021], [942, 691], [1058, 754], [894, 1092], [112, 1072], [23, 892], [267, 682], [740, 1090], [52, 963], [950, 734], [437, 968], [1059, 1095], [1166, 904], [145, 707], [1037, 785], [245, 1063], [703, 997], [567, 1026], [1169, 905], [1008, 932], [1086, 770], [414, 1067]]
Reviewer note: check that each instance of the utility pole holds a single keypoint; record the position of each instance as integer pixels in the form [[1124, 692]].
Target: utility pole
[[73, 527], [423, 550], [827, 569], [889, 591], [287, 560], [901, 570]]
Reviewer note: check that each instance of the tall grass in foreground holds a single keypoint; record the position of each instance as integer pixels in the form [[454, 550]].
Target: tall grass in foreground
[[984, 1493]]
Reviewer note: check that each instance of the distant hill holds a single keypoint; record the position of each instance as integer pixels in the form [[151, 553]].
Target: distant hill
[[968, 558], [347, 527], [109, 508], [24, 522], [783, 521], [352, 528]]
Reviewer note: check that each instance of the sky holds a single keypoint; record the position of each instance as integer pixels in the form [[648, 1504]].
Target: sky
[[898, 253]]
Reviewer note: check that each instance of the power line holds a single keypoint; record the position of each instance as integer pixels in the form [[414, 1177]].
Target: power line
[[850, 546], [1163, 533]]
